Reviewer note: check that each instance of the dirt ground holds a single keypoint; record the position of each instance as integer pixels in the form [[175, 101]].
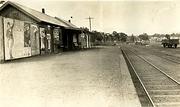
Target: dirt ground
[[89, 78]]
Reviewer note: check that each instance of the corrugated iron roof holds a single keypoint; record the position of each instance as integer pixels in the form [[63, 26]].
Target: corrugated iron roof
[[70, 25], [39, 16]]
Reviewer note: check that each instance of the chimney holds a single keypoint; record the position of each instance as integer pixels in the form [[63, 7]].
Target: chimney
[[43, 10]]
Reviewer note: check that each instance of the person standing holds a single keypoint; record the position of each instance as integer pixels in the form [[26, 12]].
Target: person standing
[[27, 42], [10, 38]]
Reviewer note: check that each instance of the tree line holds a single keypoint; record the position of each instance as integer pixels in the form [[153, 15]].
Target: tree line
[[104, 37], [123, 37]]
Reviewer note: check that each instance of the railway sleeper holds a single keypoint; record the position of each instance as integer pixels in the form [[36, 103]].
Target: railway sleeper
[[157, 83], [167, 104], [150, 75], [162, 87], [164, 92], [165, 98], [155, 79]]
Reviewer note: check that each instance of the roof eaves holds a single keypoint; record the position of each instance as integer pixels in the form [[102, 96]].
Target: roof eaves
[[56, 21], [25, 12], [69, 26], [20, 9], [72, 28], [61, 20], [52, 21], [3, 6]]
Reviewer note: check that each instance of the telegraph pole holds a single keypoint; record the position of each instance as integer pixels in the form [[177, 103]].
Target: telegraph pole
[[90, 18], [88, 38]]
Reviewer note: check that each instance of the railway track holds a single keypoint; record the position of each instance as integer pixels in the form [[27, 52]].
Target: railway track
[[171, 58], [161, 89]]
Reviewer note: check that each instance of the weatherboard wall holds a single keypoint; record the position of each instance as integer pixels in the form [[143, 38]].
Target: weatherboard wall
[[11, 12]]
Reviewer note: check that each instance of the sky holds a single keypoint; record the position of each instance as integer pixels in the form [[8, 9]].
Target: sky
[[131, 17]]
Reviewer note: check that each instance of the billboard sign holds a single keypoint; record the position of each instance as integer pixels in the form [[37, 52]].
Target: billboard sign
[[35, 48], [17, 39]]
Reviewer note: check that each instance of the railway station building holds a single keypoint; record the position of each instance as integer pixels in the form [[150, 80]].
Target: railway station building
[[25, 32]]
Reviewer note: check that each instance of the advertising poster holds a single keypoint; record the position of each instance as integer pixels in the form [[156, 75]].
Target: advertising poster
[[35, 48], [43, 38], [48, 35], [83, 40], [56, 40], [1, 41], [74, 38], [15, 46], [56, 35], [49, 41], [60, 38], [27, 41]]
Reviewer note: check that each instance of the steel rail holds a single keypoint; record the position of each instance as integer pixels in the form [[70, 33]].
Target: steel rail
[[170, 59], [156, 68], [134, 70]]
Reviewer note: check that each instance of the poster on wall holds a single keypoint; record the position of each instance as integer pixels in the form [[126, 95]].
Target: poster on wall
[[15, 46], [49, 41], [48, 34], [83, 40], [74, 38], [60, 38], [56, 35], [35, 48], [27, 41], [42, 36], [56, 40]]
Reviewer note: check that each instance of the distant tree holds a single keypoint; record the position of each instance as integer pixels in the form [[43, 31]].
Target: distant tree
[[173, 35], [110, 37], [167, 36], [106, 37], [84, 28], [114, 33], [123, 37], [119, 36], [156, 35], [116, 36], [132, 38], [103, 36], [98, 36], [144, 36], [93, 37]]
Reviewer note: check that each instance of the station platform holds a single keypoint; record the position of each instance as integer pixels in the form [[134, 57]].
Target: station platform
[[89, 78], [129, 95]]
